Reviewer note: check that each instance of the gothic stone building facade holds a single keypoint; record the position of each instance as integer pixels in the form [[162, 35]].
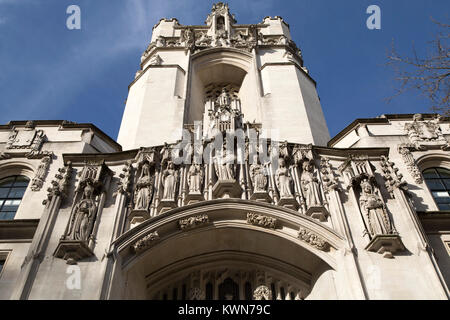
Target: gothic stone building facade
[[364, 215]]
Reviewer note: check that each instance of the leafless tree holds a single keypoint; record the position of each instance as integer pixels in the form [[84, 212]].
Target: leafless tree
[[429, 75]]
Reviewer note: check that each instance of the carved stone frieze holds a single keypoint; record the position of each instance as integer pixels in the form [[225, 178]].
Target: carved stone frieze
[[313, 239], [144, 243], [192, 222], [261, 220]]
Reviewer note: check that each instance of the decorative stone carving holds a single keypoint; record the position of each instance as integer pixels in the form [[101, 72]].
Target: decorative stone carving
[[384, 237], [313, 239], [392, 177], [283, 180], [144, 189], [187, 38], [310, 186], [170, 178], [125, 179], [85, 210], [160, 42], [410, 162], [224, 165], [194, 221], [259, 177], [79, 237], [261, 220], [195, 178], [169, 186], [423, 134], [262, 293], [25, 139], [374, 210], [312, 193], [202, 39], [329, 181], [41, 173], [28, 140], [60, 184], [144, 243], [155, 60], [301, 152]]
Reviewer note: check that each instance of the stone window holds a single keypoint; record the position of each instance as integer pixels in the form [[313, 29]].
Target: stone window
[[438, 181], [12, 190]]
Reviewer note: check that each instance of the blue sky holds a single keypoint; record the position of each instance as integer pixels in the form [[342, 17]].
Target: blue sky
[[50, 72]]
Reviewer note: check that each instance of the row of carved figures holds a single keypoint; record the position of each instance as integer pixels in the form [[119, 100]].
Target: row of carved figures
[[177, 183]]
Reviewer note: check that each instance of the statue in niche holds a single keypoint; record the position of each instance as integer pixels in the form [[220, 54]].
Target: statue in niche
[[224, 165], [310, 185], [169, 176], [283, 180], [143, 189], [375, 211], [84, 216], [195, 178], [221, 33], [223, 99], [258, 177]]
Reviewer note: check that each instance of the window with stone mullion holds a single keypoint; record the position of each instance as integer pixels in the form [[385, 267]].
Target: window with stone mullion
[[438, 181], [12, 190]]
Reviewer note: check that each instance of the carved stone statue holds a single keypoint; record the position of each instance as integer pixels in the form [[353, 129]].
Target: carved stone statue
[[375, 211], [223, 99], [258, 177], [169, 182], [84, 216], [195, 178], [310, 185], [224, 166], [283, 180], [143, 189]]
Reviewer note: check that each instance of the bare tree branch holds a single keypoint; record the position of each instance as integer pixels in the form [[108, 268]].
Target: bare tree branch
[[429, 75]]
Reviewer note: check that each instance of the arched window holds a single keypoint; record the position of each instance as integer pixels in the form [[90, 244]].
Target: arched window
[[12, 190], [438, 181]]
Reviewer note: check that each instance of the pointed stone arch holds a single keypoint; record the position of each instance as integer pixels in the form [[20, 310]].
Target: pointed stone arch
[[205, 236]]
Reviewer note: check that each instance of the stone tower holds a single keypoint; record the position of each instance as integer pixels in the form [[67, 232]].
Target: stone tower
[[184, 67]]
